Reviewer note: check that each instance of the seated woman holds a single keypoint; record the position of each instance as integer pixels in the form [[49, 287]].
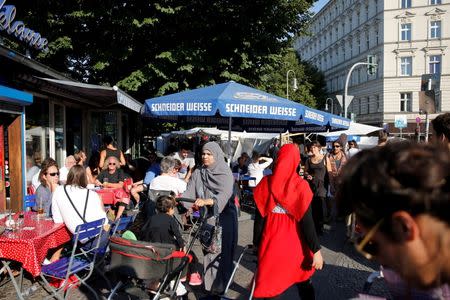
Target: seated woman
[[73, 204], [112, 177], [49, 177], [92, 170]]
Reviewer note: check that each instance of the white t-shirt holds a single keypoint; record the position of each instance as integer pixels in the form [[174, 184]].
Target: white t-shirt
[[35, 180], [185, 163], [31, 172], [63, 211], [352, 151], [63, 172], [257, 170], [168, 183]]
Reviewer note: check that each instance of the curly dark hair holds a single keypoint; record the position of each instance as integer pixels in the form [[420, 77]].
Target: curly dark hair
[[400, 176], [441, 124], [164, 203]]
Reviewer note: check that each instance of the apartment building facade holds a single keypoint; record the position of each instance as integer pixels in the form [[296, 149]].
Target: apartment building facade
[[410, 39]]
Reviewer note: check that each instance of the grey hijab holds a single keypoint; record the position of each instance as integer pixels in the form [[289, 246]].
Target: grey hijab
[[217, 176], [215, 181]]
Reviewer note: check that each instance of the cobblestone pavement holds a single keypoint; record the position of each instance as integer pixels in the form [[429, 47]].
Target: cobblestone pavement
[[342, 277]]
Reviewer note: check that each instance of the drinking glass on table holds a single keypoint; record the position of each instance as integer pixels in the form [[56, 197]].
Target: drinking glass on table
[[40, 208], [105, 181]]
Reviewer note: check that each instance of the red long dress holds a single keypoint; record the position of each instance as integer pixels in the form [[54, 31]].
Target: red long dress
[[283, 259]]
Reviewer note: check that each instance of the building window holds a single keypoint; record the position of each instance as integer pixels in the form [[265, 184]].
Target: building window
[[406, 66], [377, 36], [368, 105], [435, 64], [435, 2], [435, 29], [358, 42], [406, 3], [367, 41], [405, 101], [367, 12], [405, 31], [377, 103]]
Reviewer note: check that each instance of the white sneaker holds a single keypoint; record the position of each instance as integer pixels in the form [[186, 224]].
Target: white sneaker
[[181, 290]]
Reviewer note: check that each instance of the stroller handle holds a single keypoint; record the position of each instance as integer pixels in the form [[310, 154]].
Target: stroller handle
[[182, 199]]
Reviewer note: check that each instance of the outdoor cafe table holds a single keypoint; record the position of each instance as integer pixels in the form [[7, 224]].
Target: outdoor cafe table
[[109, 196], [29, 244]]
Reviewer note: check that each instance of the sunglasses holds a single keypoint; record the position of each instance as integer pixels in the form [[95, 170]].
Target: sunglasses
[[365, 245], [336, 146], [53, 174], [112, 164]]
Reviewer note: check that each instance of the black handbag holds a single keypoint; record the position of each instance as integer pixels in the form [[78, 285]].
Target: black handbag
[[210, 237]]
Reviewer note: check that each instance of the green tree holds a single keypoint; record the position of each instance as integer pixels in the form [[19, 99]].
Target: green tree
[[311, 84], [153, 48]]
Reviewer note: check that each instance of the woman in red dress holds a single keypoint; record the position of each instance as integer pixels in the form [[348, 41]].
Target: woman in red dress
[[289, 251]]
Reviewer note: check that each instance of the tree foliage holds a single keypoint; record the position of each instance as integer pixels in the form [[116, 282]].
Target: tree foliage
[[152, 48], [310, 81]]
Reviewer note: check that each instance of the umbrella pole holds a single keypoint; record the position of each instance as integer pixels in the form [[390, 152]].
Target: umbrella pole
[[230, 121]]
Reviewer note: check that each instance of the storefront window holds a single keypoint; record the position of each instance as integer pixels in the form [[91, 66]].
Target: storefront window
[[36, 135], [102, 123], [59, 135]]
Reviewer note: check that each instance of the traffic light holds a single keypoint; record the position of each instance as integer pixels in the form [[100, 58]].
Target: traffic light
[[371, 64]]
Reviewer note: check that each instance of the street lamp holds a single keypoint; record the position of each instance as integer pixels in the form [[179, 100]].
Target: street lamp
[[326, 104], [427, 123], [294, 83]]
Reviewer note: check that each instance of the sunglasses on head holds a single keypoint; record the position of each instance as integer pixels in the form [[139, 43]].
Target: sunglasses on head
[[53, 174], [365, 245]]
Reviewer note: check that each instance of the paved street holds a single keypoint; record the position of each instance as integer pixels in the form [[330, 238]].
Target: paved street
[[343, 276]]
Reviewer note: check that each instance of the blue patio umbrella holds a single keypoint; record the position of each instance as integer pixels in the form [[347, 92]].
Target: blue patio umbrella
[[233, 104], [233, 100]]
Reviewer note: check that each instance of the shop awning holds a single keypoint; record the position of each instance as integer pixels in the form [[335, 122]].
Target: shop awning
[[14, 96], [104, 96]]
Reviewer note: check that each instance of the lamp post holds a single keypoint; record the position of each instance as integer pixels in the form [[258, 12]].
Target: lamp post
[[294, 84], [326, 104], [427, 124]]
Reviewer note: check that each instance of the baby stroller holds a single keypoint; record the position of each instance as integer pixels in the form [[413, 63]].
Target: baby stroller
[[138, 263]]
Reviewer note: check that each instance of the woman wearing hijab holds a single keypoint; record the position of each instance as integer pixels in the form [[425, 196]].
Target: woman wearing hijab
[[289, 250], [212, 185]]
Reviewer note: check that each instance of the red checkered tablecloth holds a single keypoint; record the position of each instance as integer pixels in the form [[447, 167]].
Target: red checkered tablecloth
[[29, 244]]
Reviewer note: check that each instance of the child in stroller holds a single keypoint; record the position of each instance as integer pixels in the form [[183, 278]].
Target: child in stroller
[[163, 228], [157, 264]]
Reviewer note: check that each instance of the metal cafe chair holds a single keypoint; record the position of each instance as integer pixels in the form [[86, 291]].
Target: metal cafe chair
[[80, 264], [30, 201]]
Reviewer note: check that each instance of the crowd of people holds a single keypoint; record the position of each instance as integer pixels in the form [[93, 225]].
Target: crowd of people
[[393, 197]]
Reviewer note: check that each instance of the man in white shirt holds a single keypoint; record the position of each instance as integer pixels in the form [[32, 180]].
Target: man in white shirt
[[168, 180], [256, 168], [68, 163], [187, 162]]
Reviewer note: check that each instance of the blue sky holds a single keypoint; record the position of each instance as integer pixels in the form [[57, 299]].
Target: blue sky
[[318, 5]]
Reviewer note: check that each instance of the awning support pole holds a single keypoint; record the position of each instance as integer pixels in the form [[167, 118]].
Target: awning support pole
[[230, 121]]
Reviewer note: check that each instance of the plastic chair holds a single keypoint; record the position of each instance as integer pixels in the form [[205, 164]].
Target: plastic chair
[[80, 261], [30, 201], [121, 224]]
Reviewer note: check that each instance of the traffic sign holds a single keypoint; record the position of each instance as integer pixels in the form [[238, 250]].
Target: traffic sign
[[400, 121]]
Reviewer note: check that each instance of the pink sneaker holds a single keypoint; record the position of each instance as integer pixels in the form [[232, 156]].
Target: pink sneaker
[[195, 279]]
